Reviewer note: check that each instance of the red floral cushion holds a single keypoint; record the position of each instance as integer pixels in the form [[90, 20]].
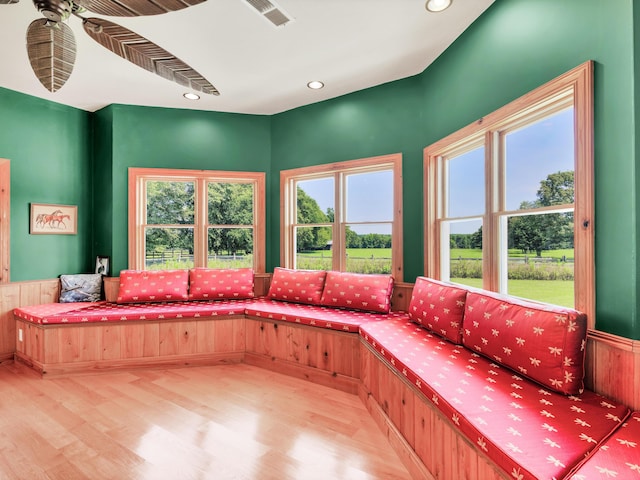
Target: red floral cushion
[[46, 311], [619, 457], [439, 307], [213, 283], [371, 293], [301, 286], [315, 315], [526, 429], [542, 342], [153, 286]]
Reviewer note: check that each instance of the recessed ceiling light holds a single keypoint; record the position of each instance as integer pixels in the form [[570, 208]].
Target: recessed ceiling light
[[438, 5], [191, 96], [315, 85]]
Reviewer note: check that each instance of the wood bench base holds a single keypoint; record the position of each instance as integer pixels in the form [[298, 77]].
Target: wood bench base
[[418, 432], [426, 442], [98, 366], [89, 347]]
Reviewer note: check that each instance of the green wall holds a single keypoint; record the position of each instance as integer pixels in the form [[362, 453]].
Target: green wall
[[514, 47], [167, 138], [372, 122], [48, 145]]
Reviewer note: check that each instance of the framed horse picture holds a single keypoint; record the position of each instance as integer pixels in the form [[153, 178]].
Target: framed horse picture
[[53, 219]]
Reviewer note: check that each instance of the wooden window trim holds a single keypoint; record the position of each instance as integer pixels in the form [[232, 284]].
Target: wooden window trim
[[5, 220], [287, 198], [137, 176], [576, 84]]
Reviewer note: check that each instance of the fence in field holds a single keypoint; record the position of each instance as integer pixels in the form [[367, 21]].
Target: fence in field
[[518, 268], [181, 259], [359, 264]]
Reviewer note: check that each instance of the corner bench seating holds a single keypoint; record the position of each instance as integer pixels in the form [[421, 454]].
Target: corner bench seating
[[445, 382]]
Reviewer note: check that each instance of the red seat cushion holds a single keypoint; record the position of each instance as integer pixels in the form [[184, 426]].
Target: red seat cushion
[[46, 312], [367, 292], [529, 431], [218, 283], [109, 312], [439, 307], [542, 342], [153, 286], [319, 316], [619, 457], [301, 286]]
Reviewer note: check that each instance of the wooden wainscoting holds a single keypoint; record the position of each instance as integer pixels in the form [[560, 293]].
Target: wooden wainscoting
[[401, 296], [324, 356], [427, 443], [20, 294], [613, 367], [90, 347]]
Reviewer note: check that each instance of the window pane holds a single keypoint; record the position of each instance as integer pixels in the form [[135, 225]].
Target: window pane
[[230, 203], [368, 248], [462, 251], [167, 248], [540, 163], [315, 201], [540, 257], [170, 203], [230, 248], [313, 248], [369, 197], [465, 183]]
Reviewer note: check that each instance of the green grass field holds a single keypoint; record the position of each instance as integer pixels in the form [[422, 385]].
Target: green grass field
[[513, 253], [558, 292], [353, 253]]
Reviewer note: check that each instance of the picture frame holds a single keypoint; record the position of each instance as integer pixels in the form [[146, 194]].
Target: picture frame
[[53, 219], [103, 265]]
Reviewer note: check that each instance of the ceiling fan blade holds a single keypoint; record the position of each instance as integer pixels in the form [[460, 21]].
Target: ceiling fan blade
[[146, 54], [135, 8], [52, 53]]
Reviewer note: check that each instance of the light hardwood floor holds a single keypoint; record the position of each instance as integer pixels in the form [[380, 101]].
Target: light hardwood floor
[[223, 422]]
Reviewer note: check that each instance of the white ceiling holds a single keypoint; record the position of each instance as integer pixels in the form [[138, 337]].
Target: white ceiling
[[257, 67]]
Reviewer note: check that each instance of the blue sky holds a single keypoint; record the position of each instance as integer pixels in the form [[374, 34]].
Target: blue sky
[[532, 154], [369, 198]]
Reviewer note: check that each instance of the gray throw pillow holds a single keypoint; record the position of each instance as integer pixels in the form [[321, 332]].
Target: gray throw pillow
[[80, 288]]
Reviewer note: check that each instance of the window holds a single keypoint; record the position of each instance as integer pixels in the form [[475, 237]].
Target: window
[[344, 216], [185, 219], [503, 195]]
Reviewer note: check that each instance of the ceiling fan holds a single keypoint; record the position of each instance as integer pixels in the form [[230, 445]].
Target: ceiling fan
[[51, 45]]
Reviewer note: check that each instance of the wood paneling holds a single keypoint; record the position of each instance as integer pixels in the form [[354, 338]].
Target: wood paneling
[[401, 296], [427, 443], [613, 367], [60, 349], [329, 357], [111, 285], [19, 294]]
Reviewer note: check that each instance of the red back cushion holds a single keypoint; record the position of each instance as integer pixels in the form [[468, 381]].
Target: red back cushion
[[153, 286], [219, 283], [542, 342], [359, 291], [300, 286], [439, 307]]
